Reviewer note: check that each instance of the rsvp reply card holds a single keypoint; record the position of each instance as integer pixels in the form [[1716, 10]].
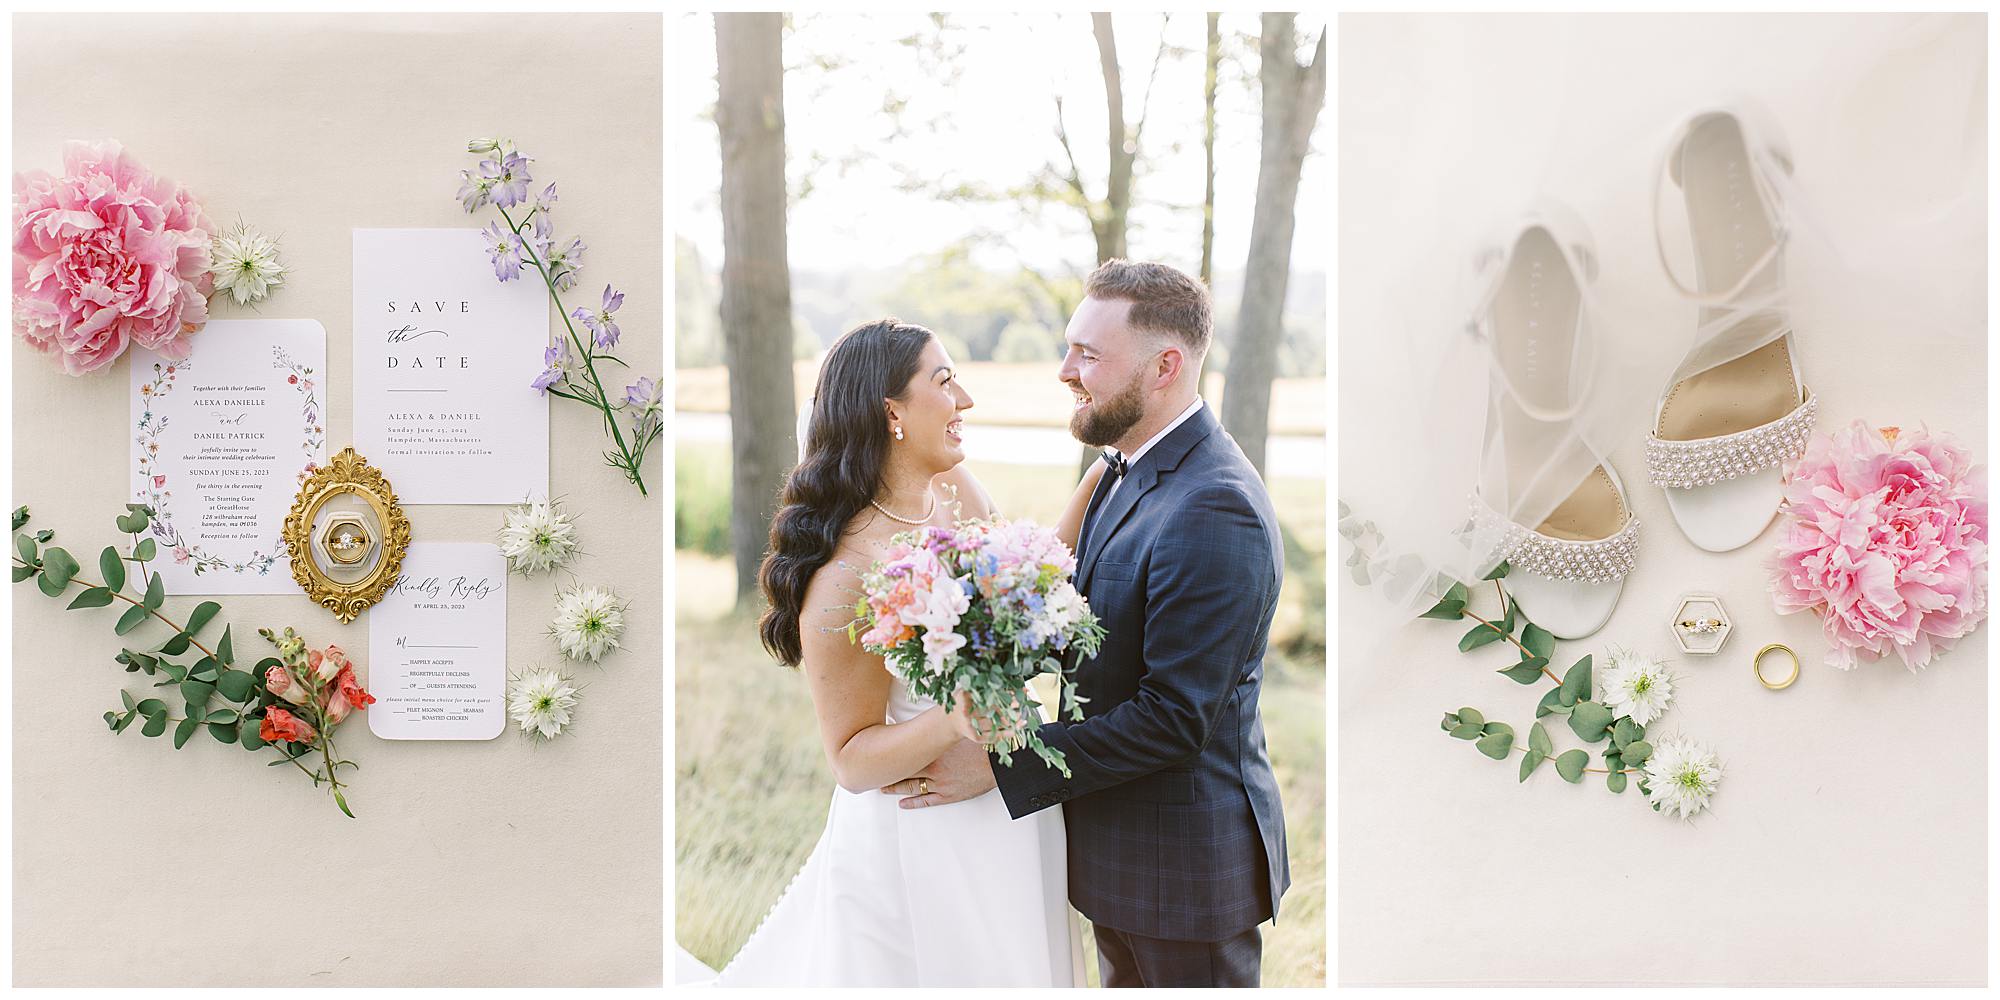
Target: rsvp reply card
[[437, 646], [221, 442], [444, 360]]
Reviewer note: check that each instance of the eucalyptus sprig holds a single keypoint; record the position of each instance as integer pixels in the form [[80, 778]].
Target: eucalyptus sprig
[[1626, 749], [214, 694]]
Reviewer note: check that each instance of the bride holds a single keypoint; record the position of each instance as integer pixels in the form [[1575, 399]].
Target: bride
[[957, 894]]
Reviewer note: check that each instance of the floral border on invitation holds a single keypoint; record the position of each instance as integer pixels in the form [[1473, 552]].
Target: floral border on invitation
[[160, 498]]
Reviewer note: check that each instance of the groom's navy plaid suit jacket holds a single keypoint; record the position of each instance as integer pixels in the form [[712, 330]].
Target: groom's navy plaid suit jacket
[[1175, 830]]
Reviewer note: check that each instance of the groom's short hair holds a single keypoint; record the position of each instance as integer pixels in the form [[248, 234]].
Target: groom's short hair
[[1164, 299]]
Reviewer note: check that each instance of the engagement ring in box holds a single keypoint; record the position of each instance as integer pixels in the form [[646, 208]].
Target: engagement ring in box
[[1700, 625]]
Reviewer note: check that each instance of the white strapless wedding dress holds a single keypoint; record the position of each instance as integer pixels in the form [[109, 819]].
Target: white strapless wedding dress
[[952, 895]]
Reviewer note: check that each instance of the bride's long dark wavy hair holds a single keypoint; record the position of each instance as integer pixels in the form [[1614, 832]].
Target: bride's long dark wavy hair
[[846, 448]]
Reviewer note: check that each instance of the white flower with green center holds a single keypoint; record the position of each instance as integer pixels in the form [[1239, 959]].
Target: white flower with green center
[[245, 264], [1637, 685], [588, 622], [1681, 776], [539, 701], [537, 536]]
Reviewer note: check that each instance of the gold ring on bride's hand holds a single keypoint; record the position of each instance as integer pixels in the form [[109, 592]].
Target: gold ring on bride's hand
[[1757, 666], [923, 786]]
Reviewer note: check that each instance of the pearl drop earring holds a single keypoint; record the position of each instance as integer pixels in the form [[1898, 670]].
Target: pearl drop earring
[[899, 433]]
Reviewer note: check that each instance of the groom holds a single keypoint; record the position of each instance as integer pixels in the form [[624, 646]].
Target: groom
[[1176, 835]]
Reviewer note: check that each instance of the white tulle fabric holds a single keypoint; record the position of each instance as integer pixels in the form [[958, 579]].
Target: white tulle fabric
[[951, 895]]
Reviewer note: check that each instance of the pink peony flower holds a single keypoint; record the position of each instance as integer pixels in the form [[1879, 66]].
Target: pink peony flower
[[1884, 539], [106, 256]]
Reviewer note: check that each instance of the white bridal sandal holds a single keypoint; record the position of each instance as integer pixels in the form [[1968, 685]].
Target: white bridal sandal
[[1549, 504], [1736, 411]]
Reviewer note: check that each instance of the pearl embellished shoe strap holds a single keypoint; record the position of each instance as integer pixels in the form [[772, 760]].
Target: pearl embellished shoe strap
[[1702, 462]]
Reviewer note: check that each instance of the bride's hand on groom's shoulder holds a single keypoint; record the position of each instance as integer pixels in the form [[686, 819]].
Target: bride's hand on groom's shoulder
[[962, 773]]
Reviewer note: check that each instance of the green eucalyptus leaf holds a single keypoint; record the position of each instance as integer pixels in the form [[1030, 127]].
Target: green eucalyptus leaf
[[203, 614], [156, 723], [1539, 641], [1590, 720], [1529, 761], [1576, 681], [93, 597], [235, 685], [224, 652], [341, 801], [1624, 731], [246, 734], [20, 516], [1637, 752], [126, 697], [1479, 636], [1615, 781], [112, 567], [1524, 672], [23, 572], [1538, 740], [197, 694], [111, 721], [151, 706], [146, 550], [25, 545], [156, 592], [1471, 715], [1466, 731], [1445, 610], [124, 721], [1496, 746], [183, 731], [49, 585], [1499, 727], [1458, 593], [1498, 571], [224, 732], [176, 644], [221, 717], [1570, 765], [1507, 616], [59, 565]]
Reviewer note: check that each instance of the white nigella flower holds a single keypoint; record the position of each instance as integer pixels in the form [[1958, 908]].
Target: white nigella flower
[[1681, 776], [540, 701], [245, 264], [588, 622], [1637, 685], [537, 536]]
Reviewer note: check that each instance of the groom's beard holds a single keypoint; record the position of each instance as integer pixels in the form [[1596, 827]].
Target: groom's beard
[[1107, 419]]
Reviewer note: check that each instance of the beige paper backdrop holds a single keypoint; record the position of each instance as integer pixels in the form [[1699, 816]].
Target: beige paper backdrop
[[1847, 844], [495, 863]]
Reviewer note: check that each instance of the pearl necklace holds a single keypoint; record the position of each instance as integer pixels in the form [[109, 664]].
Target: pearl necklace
[[891, 515]]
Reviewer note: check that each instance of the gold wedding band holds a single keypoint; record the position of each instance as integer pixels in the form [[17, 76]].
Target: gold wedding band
[[1757, 666], [923, 786]]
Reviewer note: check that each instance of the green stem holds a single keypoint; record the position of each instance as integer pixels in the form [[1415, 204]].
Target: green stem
[[88, 585], [1589, 770], [629, 462]]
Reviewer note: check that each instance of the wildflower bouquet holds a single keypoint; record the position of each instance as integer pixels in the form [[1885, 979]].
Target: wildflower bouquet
[[983, 607]]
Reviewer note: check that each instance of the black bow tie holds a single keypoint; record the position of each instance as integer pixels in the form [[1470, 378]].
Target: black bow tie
[[1116, 463]]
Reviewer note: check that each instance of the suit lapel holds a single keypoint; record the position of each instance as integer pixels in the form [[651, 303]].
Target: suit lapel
[[1141, 478]]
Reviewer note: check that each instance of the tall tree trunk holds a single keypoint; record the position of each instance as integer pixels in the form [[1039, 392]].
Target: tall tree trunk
[[1212, 63], [1293, 95], [1212, 67], [1122, 145], [756, 279]]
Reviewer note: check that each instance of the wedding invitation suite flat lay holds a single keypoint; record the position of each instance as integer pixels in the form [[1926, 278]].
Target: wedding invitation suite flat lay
[[437, 646], [444, 359], [222, 439]]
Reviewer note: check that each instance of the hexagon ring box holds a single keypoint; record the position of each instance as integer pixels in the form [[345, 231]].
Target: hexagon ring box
[[1700, 625]]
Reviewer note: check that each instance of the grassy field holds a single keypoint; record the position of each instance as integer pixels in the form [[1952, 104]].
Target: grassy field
[[1018, 395], [751, 786]]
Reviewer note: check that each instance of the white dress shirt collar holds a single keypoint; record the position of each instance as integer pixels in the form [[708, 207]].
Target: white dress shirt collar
[[1133, 459]]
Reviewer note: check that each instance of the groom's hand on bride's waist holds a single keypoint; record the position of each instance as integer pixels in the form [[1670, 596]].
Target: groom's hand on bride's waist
[[962, 773]]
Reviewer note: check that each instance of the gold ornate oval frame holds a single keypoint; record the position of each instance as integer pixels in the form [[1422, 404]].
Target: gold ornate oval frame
[[347, 473]]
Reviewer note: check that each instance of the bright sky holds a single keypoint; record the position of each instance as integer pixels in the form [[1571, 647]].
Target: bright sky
[[995, 128]]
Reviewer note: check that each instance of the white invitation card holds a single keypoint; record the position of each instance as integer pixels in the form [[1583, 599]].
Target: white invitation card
[[445, 357], [221, 442], [437, 646]]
